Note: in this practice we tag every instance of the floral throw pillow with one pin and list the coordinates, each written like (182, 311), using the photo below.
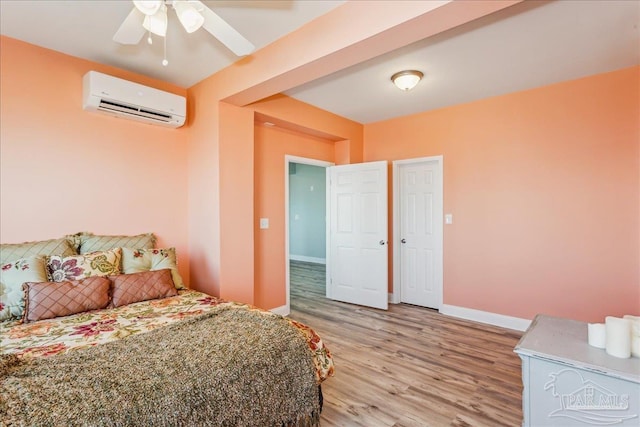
(76, 267)
(139, 260)
(12, 276)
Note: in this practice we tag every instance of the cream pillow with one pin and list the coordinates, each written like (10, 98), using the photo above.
(140, 260)
(12, 276)
(10, 252)
(93, 243)
(76, 267)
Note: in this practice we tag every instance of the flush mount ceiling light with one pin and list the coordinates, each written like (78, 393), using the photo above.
(406, 80)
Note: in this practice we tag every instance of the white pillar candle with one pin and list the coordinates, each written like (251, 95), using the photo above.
(618, 339)
(635, 334)
(597, 335)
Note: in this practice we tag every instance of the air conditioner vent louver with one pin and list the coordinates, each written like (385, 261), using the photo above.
(121, 98)
(130, 109)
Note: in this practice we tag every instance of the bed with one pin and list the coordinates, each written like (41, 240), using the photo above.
(183, 359)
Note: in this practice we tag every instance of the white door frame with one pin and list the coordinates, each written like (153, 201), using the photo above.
(396, 297)
(304, 161)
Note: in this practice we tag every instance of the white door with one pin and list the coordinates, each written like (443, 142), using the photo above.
(420, 234)
(357, 234)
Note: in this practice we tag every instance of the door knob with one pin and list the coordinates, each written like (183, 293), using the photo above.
(403, 241)
(382, 242)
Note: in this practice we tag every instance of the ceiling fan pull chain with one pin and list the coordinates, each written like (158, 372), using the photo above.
(164, 61)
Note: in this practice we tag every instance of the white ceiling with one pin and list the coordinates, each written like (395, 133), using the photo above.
(85, 28)
(528, 45)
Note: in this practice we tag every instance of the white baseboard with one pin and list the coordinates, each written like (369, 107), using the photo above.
(307, 259)
(282, 310)
(495, 319)
(393, 299)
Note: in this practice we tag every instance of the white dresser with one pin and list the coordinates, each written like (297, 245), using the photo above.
(569, 383)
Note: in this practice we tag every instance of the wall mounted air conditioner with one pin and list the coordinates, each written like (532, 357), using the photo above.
(122, 98)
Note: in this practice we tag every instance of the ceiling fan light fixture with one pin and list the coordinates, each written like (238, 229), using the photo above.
(148, 7)
(189, 17)
(157, 23)
(406, 80)
(151, 16)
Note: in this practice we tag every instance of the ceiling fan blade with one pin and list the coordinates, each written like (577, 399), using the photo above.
(131, 30)
(224, 32)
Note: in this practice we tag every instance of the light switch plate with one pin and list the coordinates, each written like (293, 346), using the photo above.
(264, 223)
(448, 219)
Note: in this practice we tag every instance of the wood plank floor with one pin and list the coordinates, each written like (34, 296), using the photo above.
(408, 366)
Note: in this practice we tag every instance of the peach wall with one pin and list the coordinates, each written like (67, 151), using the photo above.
(204, 188)
(236, 147)
(64, 170)
(252, 186)
(225, 210)
(304, 118)
(315, 50)
(330, 43)
(271, 146)
(544, 189)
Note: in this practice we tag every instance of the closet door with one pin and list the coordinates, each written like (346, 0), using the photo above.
(419, 240)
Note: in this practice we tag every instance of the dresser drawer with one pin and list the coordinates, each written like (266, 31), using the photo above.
(556, 394)
(569, 383)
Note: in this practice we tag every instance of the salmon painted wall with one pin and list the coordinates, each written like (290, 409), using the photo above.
(230, 198)
(305, 131)
(271, 146)
(204, 187)
(544, 188)
(236, 147)
(323, 46)
(64, 170)
(304, 118)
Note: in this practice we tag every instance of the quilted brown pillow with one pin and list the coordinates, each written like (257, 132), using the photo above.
(45, 300)
(136, 287)
(93, 243)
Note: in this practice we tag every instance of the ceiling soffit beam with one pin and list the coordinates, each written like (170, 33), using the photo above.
(337, 40)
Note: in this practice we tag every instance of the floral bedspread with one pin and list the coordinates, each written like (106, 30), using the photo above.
(70, 333)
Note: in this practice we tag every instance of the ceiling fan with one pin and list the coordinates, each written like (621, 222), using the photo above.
(151, 16)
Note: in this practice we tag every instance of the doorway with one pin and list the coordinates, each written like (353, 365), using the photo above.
(305, 222)
(418, 231)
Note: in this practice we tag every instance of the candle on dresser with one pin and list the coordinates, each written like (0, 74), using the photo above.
(635, 334)
(618, 337)
(597, 335)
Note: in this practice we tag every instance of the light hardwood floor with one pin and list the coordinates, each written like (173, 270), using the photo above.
(408, 366)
